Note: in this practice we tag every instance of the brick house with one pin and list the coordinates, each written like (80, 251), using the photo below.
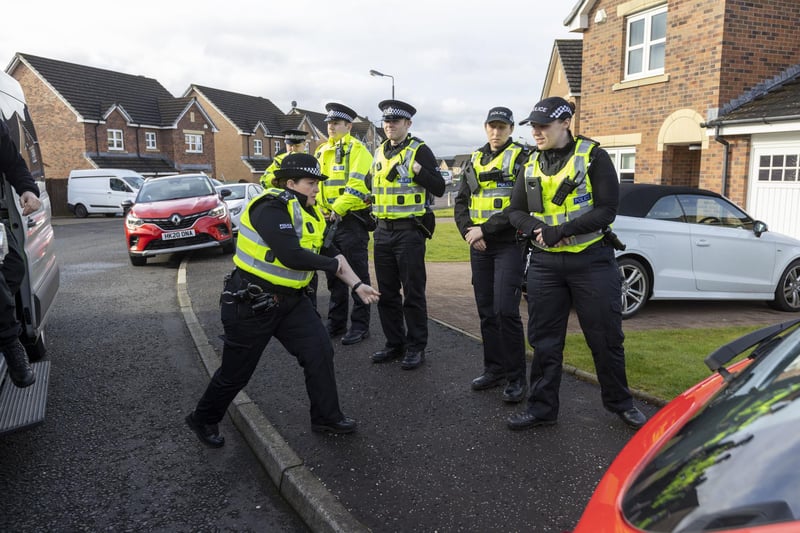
(87, 117)
(249, 133)
(682, 92)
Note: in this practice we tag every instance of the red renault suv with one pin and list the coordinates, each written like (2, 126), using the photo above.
(176, 213)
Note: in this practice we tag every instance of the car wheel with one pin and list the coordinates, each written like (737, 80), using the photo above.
(80, 211)
(635, 286)
(138, 260)
(229, 247)
(787, 293)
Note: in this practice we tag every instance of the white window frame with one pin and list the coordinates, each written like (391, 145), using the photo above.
(278, 146)
(150, 140)
(646, 45)
(258, 147)
(194, 143)
(616, 155)
(116, 140)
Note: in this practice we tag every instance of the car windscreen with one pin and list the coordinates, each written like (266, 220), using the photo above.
(134, 181)
(159, 190)
(237, 193)
(737, 461)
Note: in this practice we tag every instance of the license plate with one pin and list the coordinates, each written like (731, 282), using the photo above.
(180, 234)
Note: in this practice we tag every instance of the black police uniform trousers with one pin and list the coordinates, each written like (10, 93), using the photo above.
(12, 273)
(590, 281)
(497, 284)
(352, 239)
(400, 264)
(297, 326)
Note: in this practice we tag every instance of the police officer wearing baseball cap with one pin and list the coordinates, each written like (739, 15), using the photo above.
(565, 196)
(264, 297)
(346, 202)
(405, 177)
(496, 257)
(295, 141)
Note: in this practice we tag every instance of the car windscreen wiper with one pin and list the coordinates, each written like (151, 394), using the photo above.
(717, 360)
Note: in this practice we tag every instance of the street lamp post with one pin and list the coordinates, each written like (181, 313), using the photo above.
(382, 75)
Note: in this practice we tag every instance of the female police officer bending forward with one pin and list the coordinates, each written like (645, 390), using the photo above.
(277, 252)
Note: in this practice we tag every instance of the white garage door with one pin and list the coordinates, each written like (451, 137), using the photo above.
(774, 188)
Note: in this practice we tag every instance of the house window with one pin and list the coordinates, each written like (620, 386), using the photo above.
(150, 140)
(779, 167)
(646, 44)
(258, 147)
(278, 146)
(194, 143)
(624, 160)
(115, 141)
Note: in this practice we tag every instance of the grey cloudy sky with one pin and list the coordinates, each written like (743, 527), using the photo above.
(451, 59)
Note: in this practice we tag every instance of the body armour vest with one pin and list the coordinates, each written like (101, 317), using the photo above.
(334, 162)
(253, 255)
(395, 194)
(493, 195)
(577, 203)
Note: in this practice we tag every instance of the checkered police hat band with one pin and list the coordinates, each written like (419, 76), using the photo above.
(560, 110)
(310, 170)
(397, 112)
(335, 115)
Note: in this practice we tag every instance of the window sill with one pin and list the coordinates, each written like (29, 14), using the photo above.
(640, 82)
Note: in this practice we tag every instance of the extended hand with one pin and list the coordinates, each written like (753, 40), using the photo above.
(367, 294)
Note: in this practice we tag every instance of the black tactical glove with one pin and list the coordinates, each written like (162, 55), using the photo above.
(552, 234)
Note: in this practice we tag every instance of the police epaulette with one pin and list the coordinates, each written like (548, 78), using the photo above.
(588, 139)
(285, 196)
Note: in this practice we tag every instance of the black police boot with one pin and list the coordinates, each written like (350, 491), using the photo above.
(207, 433)
(18, 366)
(515, 390)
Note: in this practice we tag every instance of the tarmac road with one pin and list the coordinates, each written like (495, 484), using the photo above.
(430, 454)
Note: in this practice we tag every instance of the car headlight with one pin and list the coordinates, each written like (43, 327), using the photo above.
(218, 211)
(132, 221)
(236, 210)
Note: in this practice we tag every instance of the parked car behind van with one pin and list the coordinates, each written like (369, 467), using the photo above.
(101, 190)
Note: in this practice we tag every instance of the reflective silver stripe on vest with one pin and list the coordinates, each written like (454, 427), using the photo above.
(388, 209)
(507, 160)
(271, 268)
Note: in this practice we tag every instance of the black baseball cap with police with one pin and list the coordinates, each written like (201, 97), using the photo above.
(294, 136)
(394, 109)
(339, 112)
(296, 166)
(548, 110)
(500, 114)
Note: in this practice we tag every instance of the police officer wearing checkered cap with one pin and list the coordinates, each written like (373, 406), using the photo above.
(347, 204)
(264, 297)
(496, 256)
(565, 195)
(295, 142)
(405, 178)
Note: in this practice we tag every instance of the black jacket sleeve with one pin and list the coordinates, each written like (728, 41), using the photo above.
(517, 211)
(13, 166)
(272, 222)
(429, 176)
(461, 208)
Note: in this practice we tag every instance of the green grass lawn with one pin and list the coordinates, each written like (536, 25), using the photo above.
(663, 363)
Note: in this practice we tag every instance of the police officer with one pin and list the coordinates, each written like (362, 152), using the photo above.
(346, 202)
(404, 176)
(294, 140)
(12, 268)
(277, 252)
(567, 195)
(496, 256)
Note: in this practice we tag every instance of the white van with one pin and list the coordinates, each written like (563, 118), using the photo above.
(101, 190)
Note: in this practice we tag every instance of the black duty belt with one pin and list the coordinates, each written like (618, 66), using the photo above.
(399, 224)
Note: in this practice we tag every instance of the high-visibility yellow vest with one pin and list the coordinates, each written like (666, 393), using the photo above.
(253, 255)
(493, 196)
(346, 162)
(402, 197)
(577, 203)
(269, 173)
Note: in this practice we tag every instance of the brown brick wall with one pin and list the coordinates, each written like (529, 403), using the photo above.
(60, 135)
(193, 121)
(228, 147)
(759, 40)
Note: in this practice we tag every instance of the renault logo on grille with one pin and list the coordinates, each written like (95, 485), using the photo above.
(175, 219)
